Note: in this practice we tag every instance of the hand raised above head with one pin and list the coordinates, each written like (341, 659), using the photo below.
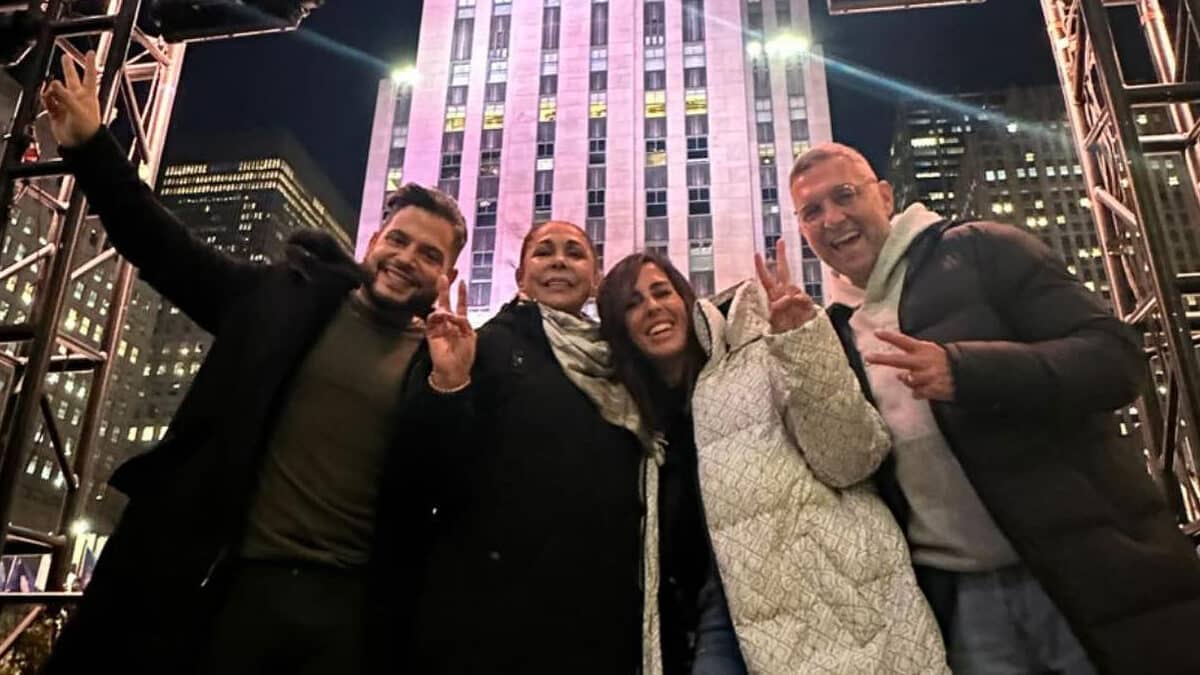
(790, 306)
(73, 103)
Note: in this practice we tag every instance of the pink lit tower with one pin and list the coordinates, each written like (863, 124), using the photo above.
(656, 125)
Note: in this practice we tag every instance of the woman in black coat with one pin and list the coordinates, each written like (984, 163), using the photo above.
(537, 556)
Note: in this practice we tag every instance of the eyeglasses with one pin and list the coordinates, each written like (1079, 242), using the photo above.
(843, 196)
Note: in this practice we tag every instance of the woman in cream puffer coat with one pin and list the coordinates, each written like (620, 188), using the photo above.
(815, 568)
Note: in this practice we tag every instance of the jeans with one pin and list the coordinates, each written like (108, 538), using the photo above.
(1005, 624)
(717, 651)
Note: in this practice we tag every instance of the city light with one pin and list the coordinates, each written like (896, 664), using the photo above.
(80, 527)
(787, 45)
(405, 77)
(754, 49)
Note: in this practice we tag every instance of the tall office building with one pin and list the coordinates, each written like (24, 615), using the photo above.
(667, 126)
(1009, 156)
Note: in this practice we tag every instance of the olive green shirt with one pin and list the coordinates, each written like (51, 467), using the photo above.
(320, 477)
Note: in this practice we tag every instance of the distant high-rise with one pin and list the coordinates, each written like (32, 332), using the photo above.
(1009, 156)
(667, 126)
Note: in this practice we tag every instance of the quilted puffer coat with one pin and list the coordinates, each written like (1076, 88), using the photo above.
(816, 569)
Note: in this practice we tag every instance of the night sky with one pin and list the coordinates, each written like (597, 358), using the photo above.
(321, 83)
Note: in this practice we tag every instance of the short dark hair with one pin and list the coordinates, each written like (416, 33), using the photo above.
(632, 368)
(529, 236)
(823, 152)
(433, 201)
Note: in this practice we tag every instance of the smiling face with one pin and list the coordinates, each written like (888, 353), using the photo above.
(558, 267)
(405, 259)
(844, 213)
(657, 319)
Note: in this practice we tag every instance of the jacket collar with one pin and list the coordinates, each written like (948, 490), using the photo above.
(745, 320)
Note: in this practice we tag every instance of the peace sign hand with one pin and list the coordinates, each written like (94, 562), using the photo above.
(73, 103)
(791, 307)
(451, 339)
(924, 366)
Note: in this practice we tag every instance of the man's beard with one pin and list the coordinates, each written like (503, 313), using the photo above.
(419, 303)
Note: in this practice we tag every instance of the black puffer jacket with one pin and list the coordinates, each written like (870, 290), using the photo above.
(1039, 365)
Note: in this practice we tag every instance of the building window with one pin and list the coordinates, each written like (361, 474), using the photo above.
(655, 23)
(656, 104)
(656, 135)
(456, 96)
(770, 187)
(697, 136)
(656, 204)
(695, 78)
(693, 20)
(547, 109)
(702, 283)
(543, 189)
(460, 45)
(545, 139)
(655, 80)
(657, 232)
(598, 80)
(596, 231)
(783, 14)
(548, 85)
(498, 41)
(599, 23)
(597, 145)
(550, 20)
(479, 293)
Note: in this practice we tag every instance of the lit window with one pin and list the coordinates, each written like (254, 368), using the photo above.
(656, 104)
(696, 102)
(1029, 157)
(990, 176)
(456, 118)
(547, 109)
(493, 116)
(599, 107)
(924, 142)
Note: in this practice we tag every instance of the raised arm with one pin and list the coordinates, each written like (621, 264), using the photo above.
(198, 279)
(839, 432)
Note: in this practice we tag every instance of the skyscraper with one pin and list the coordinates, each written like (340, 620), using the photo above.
(1009, 156)
(667, 126)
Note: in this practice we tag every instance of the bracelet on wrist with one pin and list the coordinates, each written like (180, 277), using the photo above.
(453, 390)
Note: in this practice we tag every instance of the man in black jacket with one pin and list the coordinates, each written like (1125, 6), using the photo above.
(1041, 546)
(252, 540)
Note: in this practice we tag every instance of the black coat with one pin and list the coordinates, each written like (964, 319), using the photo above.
(1038, 366)
(535, 563)
(157, 583)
